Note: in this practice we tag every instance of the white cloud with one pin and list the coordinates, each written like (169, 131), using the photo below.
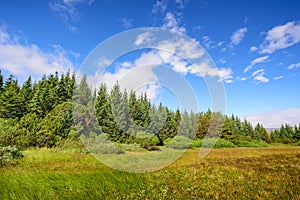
(221, 43)
(276, 118)
(126, 23)
(68, 10)
(150, 58)
(159, 7)
(278, 77)
(261, 79)
(293, 66)
(248, 68)
(223, 61)
(281, 37)
(172, 23)
(238, 36)
(256, 61)
(258, 72)
(197, 28)
(241, 78)
(225, 75)
(23, 60)
(259, 76)
(143, 38)
(259, 60)
(253, 49)
(127, 78)
(182, 3)
(207, 41)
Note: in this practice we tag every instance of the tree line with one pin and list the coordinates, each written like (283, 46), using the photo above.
(54, 109)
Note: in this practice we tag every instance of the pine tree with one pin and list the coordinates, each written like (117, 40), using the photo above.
(10, 100)
(158, 118)
(262, 133)
(228, 132)
(120, 113)
(1, 81)
(185, 126)
(26, 94)
(83, 94)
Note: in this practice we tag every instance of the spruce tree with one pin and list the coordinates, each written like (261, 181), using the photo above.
(10, 100)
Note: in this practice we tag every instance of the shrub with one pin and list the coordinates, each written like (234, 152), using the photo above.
(221, 143)
(146, 140)
(180, 142)
(105, 148)
(253, 143)
(99, 144)
(9, 155)
(197, 143)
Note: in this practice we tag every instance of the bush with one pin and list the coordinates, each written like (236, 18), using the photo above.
(99, 144)
(103, 148)
(197, 143)
(253, 143)
(9, 155)
(146, 140)
(180, 142)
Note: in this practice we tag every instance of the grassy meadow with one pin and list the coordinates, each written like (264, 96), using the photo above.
(238, 173)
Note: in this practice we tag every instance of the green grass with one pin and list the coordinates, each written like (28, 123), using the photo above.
(238, 173)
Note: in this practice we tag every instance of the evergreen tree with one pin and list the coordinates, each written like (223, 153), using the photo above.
(185, 126)
(1, 81)
(158, 118)
(83, 94)
(26, 94)
(228, 131)
(120, 113)
(10, 100)
(262, 133)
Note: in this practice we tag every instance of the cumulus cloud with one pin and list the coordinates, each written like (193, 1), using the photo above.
(29, 59)
(276, 118)
(281, 37)
(68, 10)
(238, 36)
(293, 66)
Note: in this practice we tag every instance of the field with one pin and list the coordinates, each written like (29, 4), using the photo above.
(239, 173)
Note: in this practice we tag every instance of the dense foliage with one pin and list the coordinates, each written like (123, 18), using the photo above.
(9, 155)
(55, 109)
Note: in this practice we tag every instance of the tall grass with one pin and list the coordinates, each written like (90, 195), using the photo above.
(264, 173)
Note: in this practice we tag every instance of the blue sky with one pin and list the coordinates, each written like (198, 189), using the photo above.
(254, 44)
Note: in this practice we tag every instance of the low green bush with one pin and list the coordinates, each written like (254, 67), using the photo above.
(100, 144)
(253, 143)
(197, 143)
(9, 155)
(212, 143)
(180, 142)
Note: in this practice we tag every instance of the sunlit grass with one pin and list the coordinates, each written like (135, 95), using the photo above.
(239, 173)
